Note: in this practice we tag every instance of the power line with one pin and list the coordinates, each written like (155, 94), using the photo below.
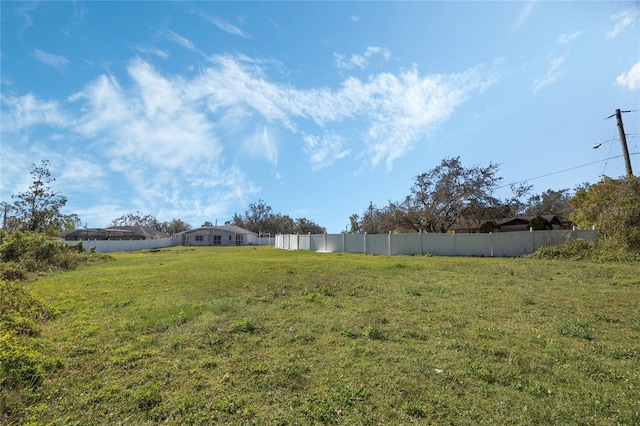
(562, 171)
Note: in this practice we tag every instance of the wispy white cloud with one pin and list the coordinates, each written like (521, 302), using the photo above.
(568, 38)
(27, 111)
(630, 80)
(524, 15)
(227, 27)
(324, 151)
(174, 138)
(621, 21)
(555, 71)
(57, 61)
(155, 52)
(361, 61)
(262, 145)
(182, 41)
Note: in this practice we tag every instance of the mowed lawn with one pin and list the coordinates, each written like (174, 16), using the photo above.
(255, 335)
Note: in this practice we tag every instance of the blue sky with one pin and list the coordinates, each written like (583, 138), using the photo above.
(193, 110)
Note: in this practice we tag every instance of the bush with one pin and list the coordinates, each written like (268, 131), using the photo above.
(613, 206)
(539, 223)
(29, 252)
(579, 249)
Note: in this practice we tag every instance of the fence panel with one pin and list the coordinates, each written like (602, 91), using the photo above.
(106, 246)
(354, 243)
(502, 244)
(406, 244)
(439, 244)
(473, 244)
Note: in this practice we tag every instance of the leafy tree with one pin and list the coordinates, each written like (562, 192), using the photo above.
(613, 206)
(175, 226)
(261, 219)
(354, 223)
(550, 202)
(306, 226)
(207, 223)
(439, 197)
(71, 222)
(137, 219)
(38, 209)
(280, 224)
(488, 227)
(539, 223)
(257, 218)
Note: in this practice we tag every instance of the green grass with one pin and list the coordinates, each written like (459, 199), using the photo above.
(247, 335)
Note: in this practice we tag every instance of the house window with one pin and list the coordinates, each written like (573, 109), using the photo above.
(217, 240)
(199, 237)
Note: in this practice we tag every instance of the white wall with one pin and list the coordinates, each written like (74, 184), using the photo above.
(105, 246)
(502, 244)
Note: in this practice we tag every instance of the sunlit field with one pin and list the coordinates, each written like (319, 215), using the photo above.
(254, 335)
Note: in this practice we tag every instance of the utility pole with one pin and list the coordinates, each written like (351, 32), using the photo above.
(623, 141)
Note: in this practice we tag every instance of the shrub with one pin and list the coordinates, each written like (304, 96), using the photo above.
(35, 252)
(539, 223)
(613, 206)
(579, 249)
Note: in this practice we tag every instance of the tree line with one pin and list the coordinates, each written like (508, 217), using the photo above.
(439, 200)
(452, 195)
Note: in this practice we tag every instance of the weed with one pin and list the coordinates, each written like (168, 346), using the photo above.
(258, 368)
(578, 329)
(606, 318)
(413, 409)
(230, 404)
(147, 397)
(374, 333)
(245, 326)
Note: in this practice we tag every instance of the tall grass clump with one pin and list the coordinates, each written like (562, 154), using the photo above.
(22, 364)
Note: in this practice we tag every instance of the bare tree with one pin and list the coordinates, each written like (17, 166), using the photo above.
(137, 219)
(448, 192)
(38, 209)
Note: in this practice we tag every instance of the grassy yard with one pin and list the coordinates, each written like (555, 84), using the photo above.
(253, 335)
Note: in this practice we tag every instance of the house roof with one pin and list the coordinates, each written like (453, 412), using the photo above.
(228, 228)
(142, 230)
(92, 233)
(466, 223)
(526, 219)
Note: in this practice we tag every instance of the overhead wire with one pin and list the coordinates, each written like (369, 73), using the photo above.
(564, 170)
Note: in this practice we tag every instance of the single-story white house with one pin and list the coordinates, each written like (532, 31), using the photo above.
(218, 236)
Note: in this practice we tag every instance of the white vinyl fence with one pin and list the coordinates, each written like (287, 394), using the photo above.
(105, 246)
(501, 244)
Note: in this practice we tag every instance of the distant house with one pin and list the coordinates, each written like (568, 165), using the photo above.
(522, 223)
(115, 233)
(518, 223)
(218, 236)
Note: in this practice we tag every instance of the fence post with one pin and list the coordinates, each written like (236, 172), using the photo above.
(455, 246)
(344, 242)
(365, 242)
(421, 245)
(491, 242)
(389, 243)
(325, 241)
